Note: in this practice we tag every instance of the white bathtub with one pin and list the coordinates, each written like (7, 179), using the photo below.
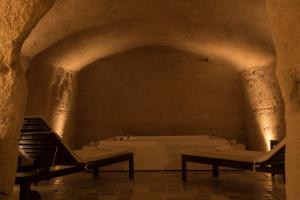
(163, 152)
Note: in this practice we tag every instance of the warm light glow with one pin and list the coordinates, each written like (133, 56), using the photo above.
(81, 49)
(73, 55)
(85, 47)
(263, 104)
(58, 181)
(64, 91)
(59, 121)
(267, 123)
(239, 54)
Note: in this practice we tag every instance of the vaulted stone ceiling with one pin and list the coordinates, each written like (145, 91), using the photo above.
(75, 33)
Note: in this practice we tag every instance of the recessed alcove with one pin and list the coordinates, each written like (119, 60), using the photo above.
(155, 90)
(158, 90)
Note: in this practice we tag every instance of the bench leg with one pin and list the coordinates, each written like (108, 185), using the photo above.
(131, 166)
(24, 190)
(95, 171)
(26, 193)
(215, 170)
(183, 167)
(33, 195)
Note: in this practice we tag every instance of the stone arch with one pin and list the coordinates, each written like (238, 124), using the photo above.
(82, 48)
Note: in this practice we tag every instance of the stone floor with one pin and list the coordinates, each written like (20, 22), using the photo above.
(163, 186)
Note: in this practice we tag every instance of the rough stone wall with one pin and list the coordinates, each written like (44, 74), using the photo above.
(159, 90)
(265, 110)
(17, 18)
(52, 95)
(284, 18)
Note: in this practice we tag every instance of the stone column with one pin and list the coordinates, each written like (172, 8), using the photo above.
(17, 19)
(284, 18)
(265, 113)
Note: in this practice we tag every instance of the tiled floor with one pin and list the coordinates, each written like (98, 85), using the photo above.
(163, 186)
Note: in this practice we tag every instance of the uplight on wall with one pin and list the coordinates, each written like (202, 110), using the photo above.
(63, 94)
(267, 127)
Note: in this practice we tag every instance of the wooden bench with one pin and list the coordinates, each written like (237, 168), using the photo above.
(270, 162)
(53, 158)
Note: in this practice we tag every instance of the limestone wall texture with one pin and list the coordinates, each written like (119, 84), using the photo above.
(17, 18)
(52, 95)
(265, 107)
(284, 18)
(85, 92)
(158, 90)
